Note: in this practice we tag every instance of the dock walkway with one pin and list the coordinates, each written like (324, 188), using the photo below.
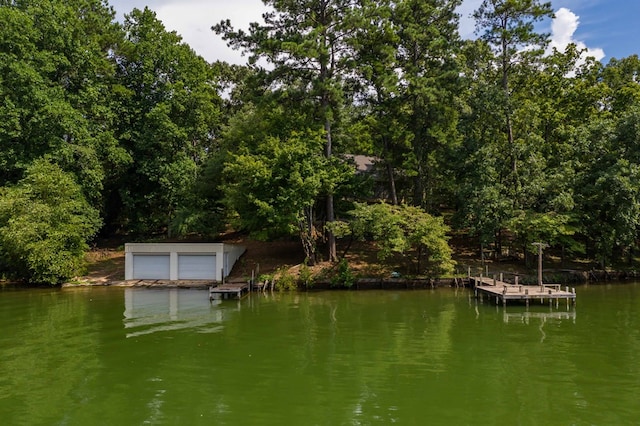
(228, 291)
(503, 292)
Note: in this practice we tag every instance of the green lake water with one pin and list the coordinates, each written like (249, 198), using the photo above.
(113, 356)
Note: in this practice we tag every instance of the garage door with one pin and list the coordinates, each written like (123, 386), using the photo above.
(151, 266)
(197, 267)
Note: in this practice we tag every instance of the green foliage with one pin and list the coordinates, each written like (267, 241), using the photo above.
(307, 45)
(272, 176)
(170, 109)
(508, 28)
(265, 278)
(284, 280)
(516, 142)
(403, 229)
(344, 276)
(271, 187)
(609, 195)
(409, 67)
(56, 90)
(306, 276)
(45, 223)
(550, 228)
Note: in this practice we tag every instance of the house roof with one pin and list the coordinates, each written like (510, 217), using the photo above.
(364, 163)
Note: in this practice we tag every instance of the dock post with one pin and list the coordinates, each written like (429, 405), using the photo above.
(516, 280)
(540, 247)
(494, 280)
(501, 277)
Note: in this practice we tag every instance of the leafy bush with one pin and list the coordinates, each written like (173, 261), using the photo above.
(45, 223)
(402, 230)
(344, 276)
(284, 280)
(306, 276)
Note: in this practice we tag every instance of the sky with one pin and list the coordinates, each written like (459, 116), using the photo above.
(608, 28)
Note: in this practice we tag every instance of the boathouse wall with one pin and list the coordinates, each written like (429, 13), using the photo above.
(180, 261)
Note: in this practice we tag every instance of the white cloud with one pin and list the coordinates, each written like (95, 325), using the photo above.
(563, 29)
(193, 20)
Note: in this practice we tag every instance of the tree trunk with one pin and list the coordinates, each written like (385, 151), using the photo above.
(331, 239)
(392, 184)
(507, 112)
(392, 180)
(307, 236)
(325, 107)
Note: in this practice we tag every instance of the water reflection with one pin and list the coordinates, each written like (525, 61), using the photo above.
(524, 317)
(154, 310)
(540, 318)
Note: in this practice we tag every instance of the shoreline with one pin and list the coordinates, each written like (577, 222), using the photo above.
(557, 277)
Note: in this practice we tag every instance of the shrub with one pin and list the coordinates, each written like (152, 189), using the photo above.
(284, 280)
(344, 276)
(45, 223)
(404, 229)
(306, 276)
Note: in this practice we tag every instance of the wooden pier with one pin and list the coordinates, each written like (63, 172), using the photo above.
(228, 291)
(503, 292)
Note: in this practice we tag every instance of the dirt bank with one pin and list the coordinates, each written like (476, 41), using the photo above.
(106, 267)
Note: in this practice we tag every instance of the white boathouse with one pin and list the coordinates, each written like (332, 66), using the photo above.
(180, 261)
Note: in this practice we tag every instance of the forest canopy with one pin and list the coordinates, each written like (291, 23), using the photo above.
(496, 138)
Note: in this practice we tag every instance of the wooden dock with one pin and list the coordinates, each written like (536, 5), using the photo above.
(228, 291)
(503, 292)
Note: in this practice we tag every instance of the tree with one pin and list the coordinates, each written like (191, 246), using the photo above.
(482, 193)
(504, 126)
(45, 223)
(607, 191)
(404, 230)
(429, 88)
(554, 229)
(170, 118)
(620, 77)
(273, 187)
(409, 73)
(508, 27)
(307, 45)
(57, 79)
